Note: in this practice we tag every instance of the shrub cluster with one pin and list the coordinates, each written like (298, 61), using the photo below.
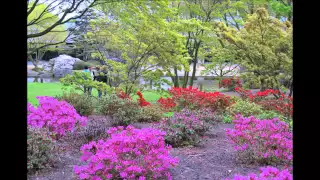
(142, 102)
(167, 104)
(58, 116)
(185, 127)
(84, 104)
(123, 110)
(266, 141)
(151, 113)
(278, 101)
(245, 108)
(266, 173)
(40, 148)
(192, 98)
(128, 154)
(230, 83)
(273, 114)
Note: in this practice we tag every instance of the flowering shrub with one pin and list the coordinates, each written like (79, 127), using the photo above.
(265, 174)
(39, 147)
(263, 140)
(284, 106)
(166, 103)
(279, 102)
(185, 128)
(272, 114)
(93, 131)
(123, 111)
(122, 94)
(245, 108)
(58, 116)
(142, 102)
(128, 154)
(230, 83)
(192, 98)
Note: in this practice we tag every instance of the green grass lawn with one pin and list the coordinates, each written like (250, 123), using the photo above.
(54, 89)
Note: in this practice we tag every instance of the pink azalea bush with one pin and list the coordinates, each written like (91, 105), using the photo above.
(58, 116)
(264, 140)
(128, 154)
(267, 173)
(186, 127)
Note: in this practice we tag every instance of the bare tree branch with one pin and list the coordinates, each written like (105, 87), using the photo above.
(49, 44)
(45, 11)
(33, 6)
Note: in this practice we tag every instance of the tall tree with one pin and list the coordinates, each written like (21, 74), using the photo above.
(198, 16)
(140, 31)
(264, 47)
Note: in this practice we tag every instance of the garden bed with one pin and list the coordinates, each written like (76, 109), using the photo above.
(215, 160)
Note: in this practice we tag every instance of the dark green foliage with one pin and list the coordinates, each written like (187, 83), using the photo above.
(123, 111)
(83, 104)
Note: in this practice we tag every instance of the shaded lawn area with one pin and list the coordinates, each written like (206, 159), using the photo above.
(54, 89)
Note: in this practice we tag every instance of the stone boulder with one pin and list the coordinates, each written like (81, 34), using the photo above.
(61, 65)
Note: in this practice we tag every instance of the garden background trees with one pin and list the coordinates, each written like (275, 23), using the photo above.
(148, 46)
(37, 46)
(264, 47)
(172, 35)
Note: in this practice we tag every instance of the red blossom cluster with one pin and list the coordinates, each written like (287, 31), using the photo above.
(194, 99)
(279, 102)
(122, 95)
(166, 103)
(230, 83)
(142, 102)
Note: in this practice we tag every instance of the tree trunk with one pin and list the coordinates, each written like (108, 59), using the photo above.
(185, 79)
(176, 77)
(291, 89)
(262, 85)
(195, 60)
(85, 51)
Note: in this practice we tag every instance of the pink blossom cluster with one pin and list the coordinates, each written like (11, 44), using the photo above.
(58, 116)
(267, 173)
(266, 139)
(129, 154)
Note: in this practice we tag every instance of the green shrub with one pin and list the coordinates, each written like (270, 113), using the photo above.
(93, 62)
(40, 148)
(273, 114)
(83, 104)
(152, 113)
(245, 108)
(79, 65)
(168, 114)
(37, 69)
(123, 111)
(227, 119)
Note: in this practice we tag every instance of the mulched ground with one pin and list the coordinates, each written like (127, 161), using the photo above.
(215, 160)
